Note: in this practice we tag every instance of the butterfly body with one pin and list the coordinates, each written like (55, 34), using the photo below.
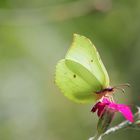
(104, 92)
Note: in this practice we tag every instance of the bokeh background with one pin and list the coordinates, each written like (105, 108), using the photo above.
(34, 35)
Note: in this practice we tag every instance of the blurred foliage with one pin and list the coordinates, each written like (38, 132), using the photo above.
(34, 35)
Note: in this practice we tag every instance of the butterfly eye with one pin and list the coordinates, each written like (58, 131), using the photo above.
(74, 76)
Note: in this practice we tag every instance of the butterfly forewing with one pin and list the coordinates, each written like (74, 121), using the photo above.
(83, 52)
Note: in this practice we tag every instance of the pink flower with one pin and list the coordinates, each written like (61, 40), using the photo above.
(123, 109)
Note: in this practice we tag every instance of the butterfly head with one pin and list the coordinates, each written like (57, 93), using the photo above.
(110, 90)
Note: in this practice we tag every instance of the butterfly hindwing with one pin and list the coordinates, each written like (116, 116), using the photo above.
(73, 85)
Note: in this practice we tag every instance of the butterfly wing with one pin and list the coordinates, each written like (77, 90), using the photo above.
(82, 72)
(75, 85)
(83, 52)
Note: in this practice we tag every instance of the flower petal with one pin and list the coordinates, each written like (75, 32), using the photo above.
(126, 112)
(99, 107)
(123, 109)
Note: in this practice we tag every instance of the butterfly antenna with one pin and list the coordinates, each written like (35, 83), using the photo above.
(122, 85)
(119, 88)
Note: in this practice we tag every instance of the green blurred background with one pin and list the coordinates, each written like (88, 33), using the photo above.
(34, 36)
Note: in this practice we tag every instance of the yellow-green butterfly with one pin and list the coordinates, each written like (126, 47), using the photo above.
(81, 75)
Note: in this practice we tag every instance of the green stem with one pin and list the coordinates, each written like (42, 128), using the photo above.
(96, 137)
(123, 125)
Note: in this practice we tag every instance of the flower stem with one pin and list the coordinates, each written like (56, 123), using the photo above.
(96, 137)
(122, 125)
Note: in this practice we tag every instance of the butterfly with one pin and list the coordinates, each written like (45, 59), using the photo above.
(81, 75)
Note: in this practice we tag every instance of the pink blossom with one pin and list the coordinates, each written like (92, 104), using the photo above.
(123, 109)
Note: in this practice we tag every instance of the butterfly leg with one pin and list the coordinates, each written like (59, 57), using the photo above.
(109, 97)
